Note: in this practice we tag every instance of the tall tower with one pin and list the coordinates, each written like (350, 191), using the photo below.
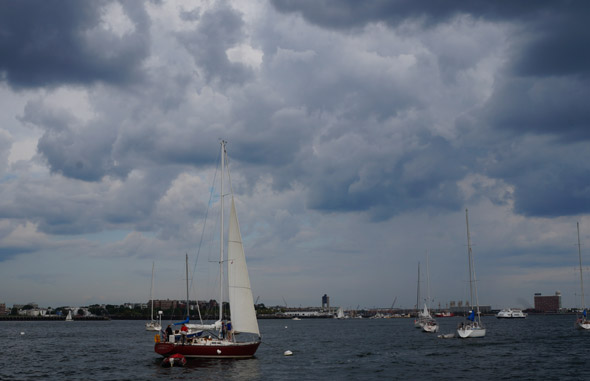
(326, 301)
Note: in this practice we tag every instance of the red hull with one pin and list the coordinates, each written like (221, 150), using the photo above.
(235, 350)
(444, 314)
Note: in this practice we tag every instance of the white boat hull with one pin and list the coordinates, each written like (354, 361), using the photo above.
(511, 314)
(430, 328)
(465, 333)
(153, 326)
(583, 324)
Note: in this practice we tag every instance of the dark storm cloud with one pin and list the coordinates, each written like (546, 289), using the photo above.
(423, 177)
(541, 91)
(550, 179)
(556, 106)
(218, 30)
(58, 42)
(135, 203)
(555, 43)
(350, 13)
(71, 148)
(551, 37)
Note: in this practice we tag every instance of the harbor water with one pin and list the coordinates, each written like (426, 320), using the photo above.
(538, 347)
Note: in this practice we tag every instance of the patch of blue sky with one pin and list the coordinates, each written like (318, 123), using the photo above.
(108, 236)
(8, 177)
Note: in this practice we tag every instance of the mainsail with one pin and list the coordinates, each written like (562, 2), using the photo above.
(243, 315)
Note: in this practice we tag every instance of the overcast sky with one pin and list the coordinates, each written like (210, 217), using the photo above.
(358, 134)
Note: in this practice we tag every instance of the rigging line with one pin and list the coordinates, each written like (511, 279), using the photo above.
(203, 234)
(231, 188)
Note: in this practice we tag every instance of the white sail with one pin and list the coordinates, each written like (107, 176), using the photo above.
(243, 315)
(425, 312)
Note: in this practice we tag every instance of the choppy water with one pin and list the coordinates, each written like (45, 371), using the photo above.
(539, 347)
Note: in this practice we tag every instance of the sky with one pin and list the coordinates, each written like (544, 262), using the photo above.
(358, 134)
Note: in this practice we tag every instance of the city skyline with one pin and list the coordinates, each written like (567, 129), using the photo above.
(358, 134)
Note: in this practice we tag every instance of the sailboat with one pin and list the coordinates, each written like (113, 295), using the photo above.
(582, 322)
(430, 325)
(421, 316)
(240, 337)
(69, 317)
(152, 325)
(472, 327)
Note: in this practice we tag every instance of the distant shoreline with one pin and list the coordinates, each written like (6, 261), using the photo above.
(50, 318)
(263, 317)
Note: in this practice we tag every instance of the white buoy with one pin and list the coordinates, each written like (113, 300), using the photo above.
(22, 333)
(285, 326)
(288, 353)
(218, 352)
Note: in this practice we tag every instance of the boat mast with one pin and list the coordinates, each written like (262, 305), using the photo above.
(427, 281)
(186, 266)
(152, 292)
(580, 256)
(469, 256)
(221, 235)
(418, 289)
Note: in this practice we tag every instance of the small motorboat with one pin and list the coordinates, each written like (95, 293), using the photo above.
(175, 360)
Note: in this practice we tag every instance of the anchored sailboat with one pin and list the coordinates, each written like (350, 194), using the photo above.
(472, 327)
(240, 337)
(430, 324)
(582, 322)
(421, 316)
(152, 325)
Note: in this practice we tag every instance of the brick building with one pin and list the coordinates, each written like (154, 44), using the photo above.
(548, 303)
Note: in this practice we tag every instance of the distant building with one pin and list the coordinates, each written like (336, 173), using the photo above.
(548, 303)
(166, 304)
(465, 309)
(326, 301)
(3, 309)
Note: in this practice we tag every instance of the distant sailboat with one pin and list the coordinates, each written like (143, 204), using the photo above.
(421, 316)
(472, 327)
(152, 325)
(430, 325)
(69, 317)
(582, 322)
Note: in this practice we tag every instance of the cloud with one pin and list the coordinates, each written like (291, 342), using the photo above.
(357, 132)
(66, 42)
(351, 14)
(218, 30)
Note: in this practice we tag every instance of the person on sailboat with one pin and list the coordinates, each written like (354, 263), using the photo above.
(228, 330)
(183, 332)
(168, 333)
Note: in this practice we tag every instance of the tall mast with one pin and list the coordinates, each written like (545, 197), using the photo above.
(187, 305)
(580, 256)
(427, 280)
(418, 289)
(221, 235)
(152, 292)
(469, 256)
